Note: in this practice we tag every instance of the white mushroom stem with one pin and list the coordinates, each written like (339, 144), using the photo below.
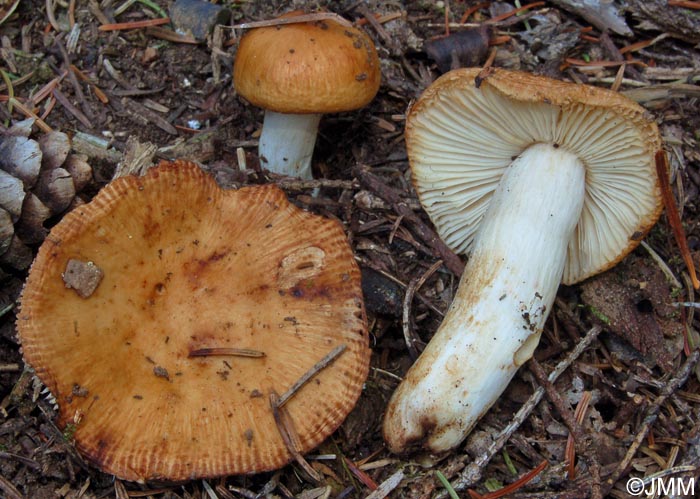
(499, 310)
(287, 143)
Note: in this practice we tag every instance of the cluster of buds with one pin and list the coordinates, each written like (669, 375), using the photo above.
(39, 179)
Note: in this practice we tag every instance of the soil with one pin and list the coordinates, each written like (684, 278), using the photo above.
(148, 94)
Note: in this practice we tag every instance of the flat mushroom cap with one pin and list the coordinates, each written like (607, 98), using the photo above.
(303, 68)
(187, 266)
(462, 135)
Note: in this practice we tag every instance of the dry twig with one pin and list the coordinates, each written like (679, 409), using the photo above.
(77, 89)
(509, 489)
(170, 35)
(580, 443)
(372, 183)
(285, 426)
(134, 24)
(553, 395)
(684, 4)
(30, 114)
(387, 486)
(51, 15)
(298, 184)
(579, 415)
(9, 489)
(306, 18)
(142, 115)
(674, 218)
(77, 113)
(233, 352)
(24, 460)
(360, 474)
(514, 12)
(318, 366)
(415, 284)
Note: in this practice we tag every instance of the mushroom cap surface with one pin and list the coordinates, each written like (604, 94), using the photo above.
(304, 68)
(187, 266)
(464, 131)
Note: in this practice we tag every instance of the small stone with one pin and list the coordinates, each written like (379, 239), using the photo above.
(197, 17)
(462, 49)
(382, 296)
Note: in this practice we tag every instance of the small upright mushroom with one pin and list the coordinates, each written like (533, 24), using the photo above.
(542, 182)
(297, 72)
(165, 314)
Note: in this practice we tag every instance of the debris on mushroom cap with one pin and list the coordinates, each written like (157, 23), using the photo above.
(465, 130)
(319, 67)
(83, 277)
(186, 266)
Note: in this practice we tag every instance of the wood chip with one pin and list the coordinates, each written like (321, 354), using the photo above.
(387, 486)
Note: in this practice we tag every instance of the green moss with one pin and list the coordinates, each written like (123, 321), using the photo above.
(69, 432)
(598, 314)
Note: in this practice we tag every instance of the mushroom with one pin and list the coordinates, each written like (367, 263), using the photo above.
(297, 72)
(542, 182)
(164, 314)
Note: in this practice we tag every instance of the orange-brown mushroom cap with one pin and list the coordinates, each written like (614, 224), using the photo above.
(318, 67)
(187, 266)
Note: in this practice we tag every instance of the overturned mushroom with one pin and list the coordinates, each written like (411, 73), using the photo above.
(542, 182)
(128, 291)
